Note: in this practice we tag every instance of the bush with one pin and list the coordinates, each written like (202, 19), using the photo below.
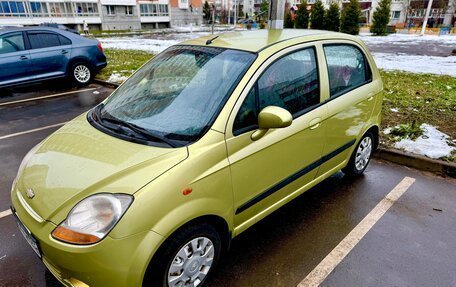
(350, 18)
(381, 18)
(302, 16)
(288, 23)
(317, 16)
(331, 21)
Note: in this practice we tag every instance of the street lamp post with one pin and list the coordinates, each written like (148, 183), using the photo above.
(426, 17)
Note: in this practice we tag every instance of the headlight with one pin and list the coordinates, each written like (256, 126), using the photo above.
(92, 218)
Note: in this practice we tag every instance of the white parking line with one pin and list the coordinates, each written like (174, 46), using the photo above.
(5, 213)
(327, 265)
(31, 131)
(45, 97)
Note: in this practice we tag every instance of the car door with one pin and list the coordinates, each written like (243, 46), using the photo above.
(15, 64)
(50, 53)
(352, 98)
(267, 171)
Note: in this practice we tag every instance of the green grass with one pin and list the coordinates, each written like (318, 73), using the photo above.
(417, 99)
(123, 62)
(409, 99)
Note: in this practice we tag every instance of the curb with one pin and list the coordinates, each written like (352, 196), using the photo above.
(417, 161)
(396, 156)
(105, 83)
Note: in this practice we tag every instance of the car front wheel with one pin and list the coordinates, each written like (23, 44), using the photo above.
(81, 74)
(186, 259)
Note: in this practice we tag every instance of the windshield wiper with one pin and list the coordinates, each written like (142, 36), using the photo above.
(137, 130)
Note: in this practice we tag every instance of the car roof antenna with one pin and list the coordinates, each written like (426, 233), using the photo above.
(208, 42)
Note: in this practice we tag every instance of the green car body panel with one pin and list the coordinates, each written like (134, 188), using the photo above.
(233, 179)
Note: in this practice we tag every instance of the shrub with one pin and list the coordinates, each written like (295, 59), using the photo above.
(350, 18)
(381, 18)
(302, 16)
(288, 23)
(317, 15)
(331, 20)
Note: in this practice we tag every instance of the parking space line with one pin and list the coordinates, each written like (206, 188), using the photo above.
(45, 97)
(5, 213)
(31, 131)
(327, 265)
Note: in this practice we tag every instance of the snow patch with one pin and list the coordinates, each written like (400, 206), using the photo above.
(433, 143)
(117, 78)
(416, 63)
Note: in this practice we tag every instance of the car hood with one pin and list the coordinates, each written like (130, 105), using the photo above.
(79, 160)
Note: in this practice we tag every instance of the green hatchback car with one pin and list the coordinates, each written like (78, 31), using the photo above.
(203, 141)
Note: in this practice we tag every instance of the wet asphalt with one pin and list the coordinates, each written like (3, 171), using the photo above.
(413, 244)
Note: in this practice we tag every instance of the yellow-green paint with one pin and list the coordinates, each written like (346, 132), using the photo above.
(223, 170)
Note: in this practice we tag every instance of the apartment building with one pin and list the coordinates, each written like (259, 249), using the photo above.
(403, 12)
(98, 14)
(186, 12)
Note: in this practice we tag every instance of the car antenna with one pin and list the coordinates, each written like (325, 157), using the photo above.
(208, 42)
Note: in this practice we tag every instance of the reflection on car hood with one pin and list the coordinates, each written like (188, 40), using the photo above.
(79, 160)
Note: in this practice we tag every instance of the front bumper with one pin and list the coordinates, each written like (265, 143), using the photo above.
(111, 262)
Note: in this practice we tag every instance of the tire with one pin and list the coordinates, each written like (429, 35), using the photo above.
(361, 156)
(81, 74)
(159, 271)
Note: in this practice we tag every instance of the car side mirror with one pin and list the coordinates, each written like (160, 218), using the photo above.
(271, 117)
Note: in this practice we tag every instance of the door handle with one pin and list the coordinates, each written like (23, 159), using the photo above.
(370, 97)
(64, 52)
(315, 123)
(23, 57)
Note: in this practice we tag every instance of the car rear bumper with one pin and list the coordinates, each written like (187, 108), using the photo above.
(111, 262)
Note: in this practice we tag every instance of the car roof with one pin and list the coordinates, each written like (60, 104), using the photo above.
(29, 28)
(257, 40)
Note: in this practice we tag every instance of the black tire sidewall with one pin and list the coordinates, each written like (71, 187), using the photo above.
(351, 169)
(158, 268)
(73, 78)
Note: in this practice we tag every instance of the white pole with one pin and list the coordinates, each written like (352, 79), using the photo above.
(235, 14)
(229, 12)
(426, 17)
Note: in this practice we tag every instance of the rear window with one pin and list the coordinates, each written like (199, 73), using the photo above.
(43, 40)
(347, 68)
(64, 40)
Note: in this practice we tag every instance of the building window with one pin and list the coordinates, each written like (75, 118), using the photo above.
(39, 9)
(153, 9)
(85, 9)
(129, 10)
(395, 14)
(111, 10)
(12, 8)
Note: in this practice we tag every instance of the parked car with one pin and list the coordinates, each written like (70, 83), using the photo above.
(61, 27)
(206, 139)
(41, 53)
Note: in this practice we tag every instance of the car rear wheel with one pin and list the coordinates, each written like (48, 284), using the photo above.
(361, 156)
(186, 259)
(81, 74)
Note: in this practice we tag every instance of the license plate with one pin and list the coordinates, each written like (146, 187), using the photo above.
(28, 236)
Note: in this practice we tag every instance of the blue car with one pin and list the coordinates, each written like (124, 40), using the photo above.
(35, 54)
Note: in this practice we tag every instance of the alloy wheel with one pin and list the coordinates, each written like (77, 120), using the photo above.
(363, 153)
(192, 263)
(81, 73)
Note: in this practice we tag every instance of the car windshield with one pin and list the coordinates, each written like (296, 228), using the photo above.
(178, 94)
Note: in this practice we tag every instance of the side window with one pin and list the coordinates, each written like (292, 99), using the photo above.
(64, 40)
(247, 117)
(347, 68)
(12, 42)
(43, 40)
(291, 83)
